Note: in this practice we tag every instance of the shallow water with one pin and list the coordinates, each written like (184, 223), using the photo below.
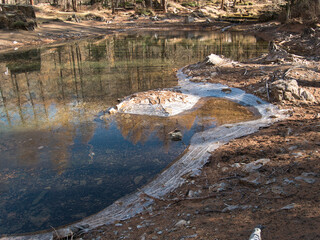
(61, 158)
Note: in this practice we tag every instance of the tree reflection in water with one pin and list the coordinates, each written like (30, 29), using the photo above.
(59, 161)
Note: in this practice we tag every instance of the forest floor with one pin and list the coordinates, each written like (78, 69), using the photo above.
(227, 201)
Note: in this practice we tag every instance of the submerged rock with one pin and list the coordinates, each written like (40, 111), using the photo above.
(176, 135)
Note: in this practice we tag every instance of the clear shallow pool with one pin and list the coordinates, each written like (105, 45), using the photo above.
(61, 160)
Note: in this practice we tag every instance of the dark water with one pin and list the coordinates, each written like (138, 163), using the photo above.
(60, 158)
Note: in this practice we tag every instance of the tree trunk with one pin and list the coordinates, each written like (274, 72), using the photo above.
(148, 4)
(3, 1)
(75, 5)
(288, 11)
(164, 5)
(222, 4)
(112, 6)
(31, 2)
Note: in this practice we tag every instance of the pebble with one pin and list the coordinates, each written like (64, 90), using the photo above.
(181, 223)
(234, 207)
(297, 154)
(256, 165)
(219, 187)
(306, 179)
(288, 207)
(118, 224)
(236, 165)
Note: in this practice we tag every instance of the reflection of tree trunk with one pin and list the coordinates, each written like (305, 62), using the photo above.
(5, 105)
(163, 49)
(30, 96)
(43, 98)
(74, 72)
(100, 81)
(61, 76)
(78, 52)
(17, 90)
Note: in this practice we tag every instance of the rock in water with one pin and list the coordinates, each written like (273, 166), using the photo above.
(214, 60)
(256, 235)
(176, 135)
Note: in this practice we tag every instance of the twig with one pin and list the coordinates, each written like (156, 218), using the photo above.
(267, 88)
(176, 200)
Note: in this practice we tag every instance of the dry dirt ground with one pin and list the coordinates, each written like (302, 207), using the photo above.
(228, 200)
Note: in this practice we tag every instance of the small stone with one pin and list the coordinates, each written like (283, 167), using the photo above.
(277, 190)
(224, 169)
(288, 207)
(218, 187)
(236, 165)
(287, 181)
(234, 207)
(143, 236)
(176, 135)
(191, 194)
(214, 59)
(293, 147)
(181, 223)
(112, 111)
(138, 179)
(118, 224)
(226, 90)
(309, 180)
(256, 165)
(253, 179)
(297, 154)
(41, 147)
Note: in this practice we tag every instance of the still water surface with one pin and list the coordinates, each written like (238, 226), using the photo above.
(60, 158)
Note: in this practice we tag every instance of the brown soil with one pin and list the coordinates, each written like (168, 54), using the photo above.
(231, 210)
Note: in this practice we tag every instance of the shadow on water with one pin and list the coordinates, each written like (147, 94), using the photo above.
(61, 158)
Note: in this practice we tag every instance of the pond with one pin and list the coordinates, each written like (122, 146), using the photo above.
(61, 158)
